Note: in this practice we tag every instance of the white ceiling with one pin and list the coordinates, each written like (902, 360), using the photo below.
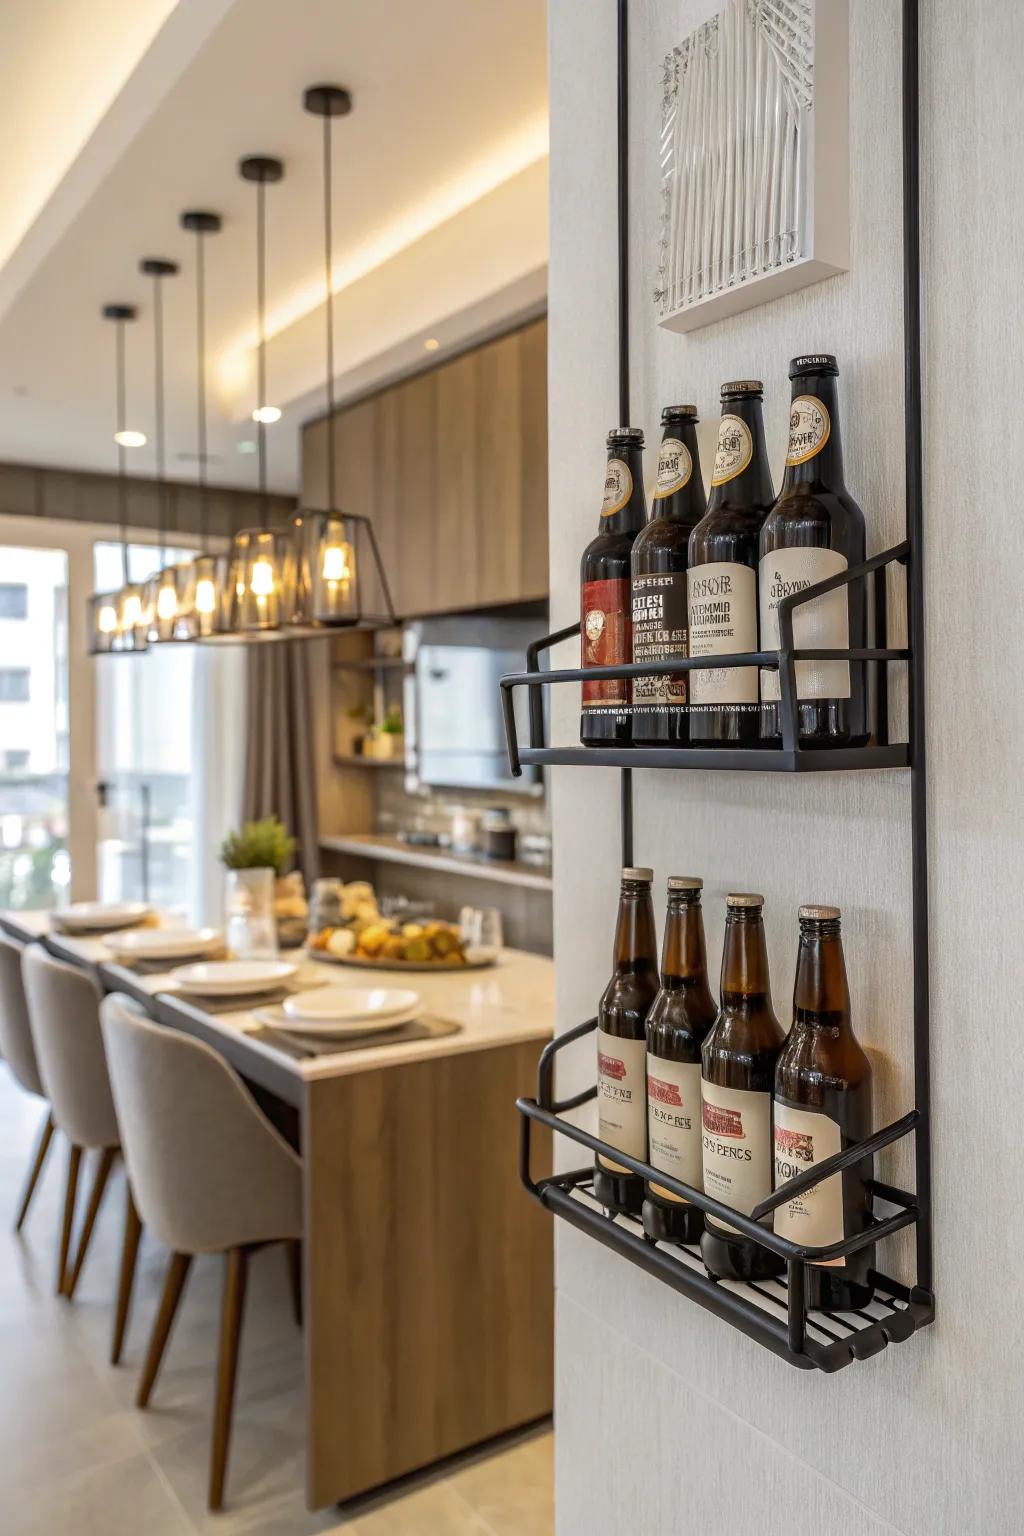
(440, 206)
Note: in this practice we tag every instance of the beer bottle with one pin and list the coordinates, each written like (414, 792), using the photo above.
(660, 558)
(677, 1025)
(622, 1043)
(815, 530)
(722, 576)
(822, 1106)
(604, 583)
(737, 1080)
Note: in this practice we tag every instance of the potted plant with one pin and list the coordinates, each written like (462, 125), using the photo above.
(390, 738)
(265, 906)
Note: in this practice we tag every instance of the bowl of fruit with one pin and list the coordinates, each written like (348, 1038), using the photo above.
(389, 945)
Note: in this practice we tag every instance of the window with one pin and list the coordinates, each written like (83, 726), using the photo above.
(13, 600)
(16, 757)
(13, 685)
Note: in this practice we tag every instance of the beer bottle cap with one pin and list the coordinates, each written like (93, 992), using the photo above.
(742, 387)
(638, 874)
(813, 362)
(744, 899)
(819, 914)
(685, 883)
(629, 437)
(679, 413)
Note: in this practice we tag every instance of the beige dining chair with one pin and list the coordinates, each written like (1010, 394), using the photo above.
(210, 1175)
(63, 1010)
(18, 1051)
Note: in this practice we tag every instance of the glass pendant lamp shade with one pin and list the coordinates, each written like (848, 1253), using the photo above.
(161, 605)
(107, 632)
(131, 631)
(262, 581)
(103, 615)
(200, 588)
(342, 581)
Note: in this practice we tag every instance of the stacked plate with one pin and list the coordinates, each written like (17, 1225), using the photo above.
(340, 1011)
(148, 944)
(232, 978)
(99, 916)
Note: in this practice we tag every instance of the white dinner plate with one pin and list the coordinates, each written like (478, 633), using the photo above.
(98, 916)
(163, 943)
(232, 978)
(345, 1005)
(340, 1029)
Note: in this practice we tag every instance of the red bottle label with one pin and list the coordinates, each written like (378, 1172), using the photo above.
(607, 635)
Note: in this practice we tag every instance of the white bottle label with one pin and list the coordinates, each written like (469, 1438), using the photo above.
(618, 487)
(675, 466)
(735, 449)
(803, 1139)
(823, 623)
(621, 1096)
(736, 1146)
(723, 621)
(809, 428)
(673, 1122)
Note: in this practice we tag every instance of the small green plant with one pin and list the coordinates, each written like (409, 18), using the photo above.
(259, 845)
(392, 722)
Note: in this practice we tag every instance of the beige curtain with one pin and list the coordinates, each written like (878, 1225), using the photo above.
(280, 775)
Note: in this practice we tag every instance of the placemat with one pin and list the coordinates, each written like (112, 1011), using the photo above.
(302, 1048)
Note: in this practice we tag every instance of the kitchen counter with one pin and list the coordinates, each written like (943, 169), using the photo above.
(393, 850)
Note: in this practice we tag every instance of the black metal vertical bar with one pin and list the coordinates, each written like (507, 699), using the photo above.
(626, 788)
(881, 640)
(627, 816)
(915, 519)
(795, 1277)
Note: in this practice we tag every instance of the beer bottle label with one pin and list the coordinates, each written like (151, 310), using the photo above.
(809, 428)
(675, 466)
(607, 638)
(673, 1122)
(823, 623)
(621, 1097)
(618, 487)
(723, 621)
(659, 634)
(736, 1147)
(735, 449)
(803, 1139)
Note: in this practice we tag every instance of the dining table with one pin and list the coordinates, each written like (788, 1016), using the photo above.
(427, 1272)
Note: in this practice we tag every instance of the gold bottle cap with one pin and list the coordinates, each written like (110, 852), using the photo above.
(638, 874)
(685, 883)
(820, 914)
(744, 899)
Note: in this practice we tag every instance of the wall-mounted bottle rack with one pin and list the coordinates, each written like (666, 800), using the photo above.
(774, 1312)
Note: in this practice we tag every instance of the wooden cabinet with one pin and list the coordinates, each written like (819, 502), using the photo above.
(451, 465)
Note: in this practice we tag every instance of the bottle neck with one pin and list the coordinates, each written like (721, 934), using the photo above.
(745, 980)
(684, 957)
(741, 477)
(821, 993)
(676, 503)
(814, 434)
(624, 505)
(636, 945)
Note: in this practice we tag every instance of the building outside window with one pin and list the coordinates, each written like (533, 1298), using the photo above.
(13, 600)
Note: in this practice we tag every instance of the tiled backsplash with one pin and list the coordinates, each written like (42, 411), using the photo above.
(396, 809)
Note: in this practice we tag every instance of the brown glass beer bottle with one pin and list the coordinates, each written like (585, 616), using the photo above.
(622, 1043)
(737, 1080)
(605, 625)
(659, 564)
(822, 1106)
(677, 1026)
(722, 575)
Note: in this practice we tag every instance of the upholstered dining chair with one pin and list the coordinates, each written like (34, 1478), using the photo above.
(63, 1010)
(210, 1175)
(18, 1051)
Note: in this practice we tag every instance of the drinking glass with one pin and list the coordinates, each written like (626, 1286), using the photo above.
(250, 927)
(481, 932)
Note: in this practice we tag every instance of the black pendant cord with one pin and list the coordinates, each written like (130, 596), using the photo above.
(122, 489)
(158, 397)
(261, 349)
(329, 306)
(626, 809)
(201, 440)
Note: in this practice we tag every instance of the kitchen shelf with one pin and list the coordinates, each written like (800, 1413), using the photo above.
(357, 760)
(372, 664)
(392, 850)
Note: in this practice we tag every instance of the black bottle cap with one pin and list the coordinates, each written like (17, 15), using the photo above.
(813, 362)
(626, 437)
(679, 413)
(742, 387)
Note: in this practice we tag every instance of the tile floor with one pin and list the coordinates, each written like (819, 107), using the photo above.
(78, 1457)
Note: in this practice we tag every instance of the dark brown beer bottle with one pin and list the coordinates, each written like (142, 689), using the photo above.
(677, 1026)
(815, 530)
(660, 560)
(622, 1043)
(722, 576)
(604, 591)
(822, 1106)
(737, 1080)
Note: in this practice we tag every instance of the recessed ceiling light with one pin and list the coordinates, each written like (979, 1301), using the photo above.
(431, 344)
(130, 439)
(266, 414)
(246, 445)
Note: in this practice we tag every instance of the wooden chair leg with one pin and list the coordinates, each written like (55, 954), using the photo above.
(236, 1263)
(70, 1192)
(177, 1273)
(293, 1253)
(99, 1185)
(129, 1256)
(42, 1147)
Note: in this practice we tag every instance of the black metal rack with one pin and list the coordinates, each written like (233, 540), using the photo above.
(773, 1312)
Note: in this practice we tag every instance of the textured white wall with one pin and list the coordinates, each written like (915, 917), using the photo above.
(668, 1420)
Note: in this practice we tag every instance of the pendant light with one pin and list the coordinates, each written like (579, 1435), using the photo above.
(339, 559)
(160, 596)
(112, 615)
(261, 595)
(200, 583)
